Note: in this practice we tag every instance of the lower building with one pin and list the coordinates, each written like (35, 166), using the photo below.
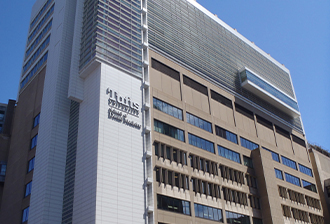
(321, 166)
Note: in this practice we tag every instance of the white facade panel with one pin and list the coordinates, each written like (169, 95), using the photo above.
(109, 168)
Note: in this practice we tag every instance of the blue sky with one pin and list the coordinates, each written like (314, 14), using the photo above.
(296, 33)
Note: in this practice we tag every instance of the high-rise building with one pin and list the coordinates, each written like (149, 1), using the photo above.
(153, 111)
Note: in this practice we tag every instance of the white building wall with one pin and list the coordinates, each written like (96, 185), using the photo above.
(110, 170)
(48, 179)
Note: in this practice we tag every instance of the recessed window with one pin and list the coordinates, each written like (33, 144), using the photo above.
(305, 170)
(248, 144)
(309, 186)
(234, 218)
(275, 156)
(31, 164)
(198, 122)
(292, 179)
(28, 188)
(229, 154)
(34, 141)
(173, 204)
(289, 163)
(278, 174)
(248, 161)
(195, 85)
(36, 120)
(206, 212)
(168, 130)
(221, 99)
(25, 215)
(165, 69)
(167, 108)
(223, 133)
(201, 143)
(257, 221)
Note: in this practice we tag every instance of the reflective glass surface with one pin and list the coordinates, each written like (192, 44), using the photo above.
(167, 108)
(309, 186)
(198, 122)
(229, 154)
(278, 174)
(289, 162)
(201, 143)
(248, 144)
(169, 130)
(292, 179)
(305, 170)
(207, 212)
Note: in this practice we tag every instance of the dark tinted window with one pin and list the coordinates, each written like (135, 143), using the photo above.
(195, 85)
(165, 69)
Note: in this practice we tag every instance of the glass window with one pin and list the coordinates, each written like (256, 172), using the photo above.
(278, 174)
(28, 188)
(173, 204)
(289, 162)
(292, 179)
(234, 218)
(34, 141)
(167, 108)
(275, 156)
(25, 215)
(309, 186)
(207, 212)
(247, 161)
(223, 133)
(248, 144)
(229, 154)
(257, 221)
(201, 143)
(169, 130)
(36, 120)
(31, 164)
(3, 168)
(305, 170)
(198, 122)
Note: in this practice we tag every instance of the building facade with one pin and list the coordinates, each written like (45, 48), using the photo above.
(153, 111)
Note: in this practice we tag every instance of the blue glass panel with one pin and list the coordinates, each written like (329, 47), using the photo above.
(201, 143)
(292, 179)
(198, 122)
(248, 144)
(270, 89)
(278, 174)
(289, 162)
(229, 154)
(305, 170)
(206, 212)
(167, 108)
(168, 130)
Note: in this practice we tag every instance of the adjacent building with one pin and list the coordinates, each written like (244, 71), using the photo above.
(153, 111)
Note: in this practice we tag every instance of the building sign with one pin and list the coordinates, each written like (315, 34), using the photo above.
(120, 107)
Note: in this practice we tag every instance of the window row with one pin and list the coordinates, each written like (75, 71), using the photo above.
(203, 164)
(235, 196)
(167, 108)
(316, 219)
(169, 130)
(232, 174)
(36, 54)
(170, 153)
(35, 20)
(229, 154)
(36, 121)
(300, 215)
(206, 212)
(34, 141)
(248, 144)
(223, 133)
(295, 180)
(202, 211)
(34, 70)
(28, 188)
(41, 23)
(201, 143)
(207, 188)
(298, 197)
(234, 218)
(173, 204)
(275, 155)
(31, 164)
(172, 178)
(38, 39)
(198, 122)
